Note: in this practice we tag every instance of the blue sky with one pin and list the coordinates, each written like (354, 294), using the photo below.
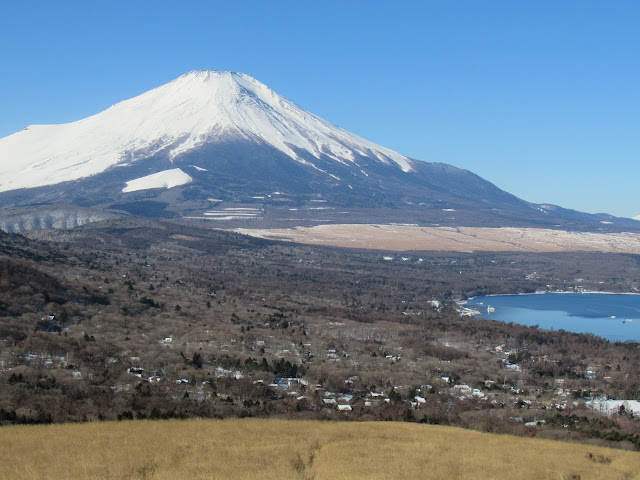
(541, 98)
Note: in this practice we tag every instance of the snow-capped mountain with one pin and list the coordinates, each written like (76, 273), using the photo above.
(198, 108)
(220, 146)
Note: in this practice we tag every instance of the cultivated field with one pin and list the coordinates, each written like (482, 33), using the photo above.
(462, 239)
(265, 449)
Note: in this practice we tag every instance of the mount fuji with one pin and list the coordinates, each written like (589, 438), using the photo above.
(223, 148)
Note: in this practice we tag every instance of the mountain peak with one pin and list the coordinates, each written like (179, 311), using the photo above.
(220, 86)
(198, 108)
(221, 146)
(206, 72)
(207, 75)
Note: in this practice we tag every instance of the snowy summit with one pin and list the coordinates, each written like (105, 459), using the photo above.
(200, 107)
(220, 135)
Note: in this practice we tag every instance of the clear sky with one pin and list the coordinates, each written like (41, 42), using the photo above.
(540, 97)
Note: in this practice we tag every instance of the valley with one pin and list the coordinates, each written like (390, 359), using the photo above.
(140, 319)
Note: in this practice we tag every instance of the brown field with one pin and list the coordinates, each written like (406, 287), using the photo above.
(266, 449)
(184, 237)
(462, 239)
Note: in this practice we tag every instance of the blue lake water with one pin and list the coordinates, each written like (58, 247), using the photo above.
(615, 317)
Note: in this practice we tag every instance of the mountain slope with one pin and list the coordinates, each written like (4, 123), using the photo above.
(222, 147)
(197, 108)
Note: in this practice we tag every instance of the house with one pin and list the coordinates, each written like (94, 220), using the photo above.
(512, 366)
(288, 382)
(462, 390)
(535, 423)
(137, 371)
(332, 354)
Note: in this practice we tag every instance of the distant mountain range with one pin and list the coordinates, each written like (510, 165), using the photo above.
(223, 149)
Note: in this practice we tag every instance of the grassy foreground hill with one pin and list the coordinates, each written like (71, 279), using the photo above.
(249, 448)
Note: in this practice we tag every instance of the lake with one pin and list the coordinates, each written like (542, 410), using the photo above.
(614, 317)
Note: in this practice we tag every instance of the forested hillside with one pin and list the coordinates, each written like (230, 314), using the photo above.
(138, 319)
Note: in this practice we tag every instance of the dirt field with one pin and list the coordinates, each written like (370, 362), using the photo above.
(463, 239)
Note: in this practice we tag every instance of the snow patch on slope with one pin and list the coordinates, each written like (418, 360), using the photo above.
(165, 179)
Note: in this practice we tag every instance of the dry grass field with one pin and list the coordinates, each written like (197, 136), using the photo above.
(462, 239)
(279, 449)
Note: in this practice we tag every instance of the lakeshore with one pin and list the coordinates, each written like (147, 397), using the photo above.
(606, 314)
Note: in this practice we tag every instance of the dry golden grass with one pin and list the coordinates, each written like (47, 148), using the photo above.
(464, 239)
(266, 449)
